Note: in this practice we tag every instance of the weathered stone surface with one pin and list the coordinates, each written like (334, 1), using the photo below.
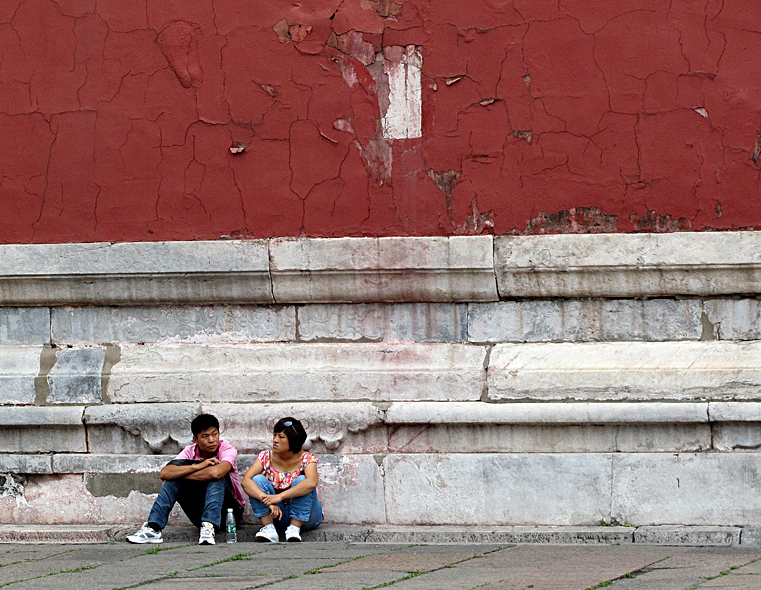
(26, 463)
(418, 322)
(76, 376)
(499, 534)
(438, 269)
(688, 535)
(734, 411)
(64, 499)
(100, 463)
(736, 425)
(41, 416)
(351, 489)
(751, 535)
(544, 413)
(161, 324)
(549, 438)
(690, 489)
(140, 428)
(497, 489)
(274, 372)
(585, 320)
(24, 325)
(19, 365)
(135, 272)
(42, 430)
(353, 427)
(621, 371)
(628, 265)
(735, 319)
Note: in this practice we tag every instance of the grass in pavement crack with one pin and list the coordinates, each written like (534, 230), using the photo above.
(155, 550)
(238, 557)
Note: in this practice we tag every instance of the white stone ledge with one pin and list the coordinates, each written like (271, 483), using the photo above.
(393, 269)
(712, 370)
(628, 265)
(297, 372)
(135, 273)
(545, 413)
(31, 416)
(436, 269)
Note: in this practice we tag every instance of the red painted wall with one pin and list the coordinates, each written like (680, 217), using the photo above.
(117, 118)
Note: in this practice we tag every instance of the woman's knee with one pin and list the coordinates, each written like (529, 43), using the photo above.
(263, 483)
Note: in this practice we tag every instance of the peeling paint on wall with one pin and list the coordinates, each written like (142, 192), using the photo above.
(232, 118)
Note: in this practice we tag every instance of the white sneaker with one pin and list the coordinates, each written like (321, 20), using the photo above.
(267, 534)
(292, 534)
(146, 534)
(207, 534)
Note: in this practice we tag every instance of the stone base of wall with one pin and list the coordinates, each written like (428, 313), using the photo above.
(440, 381)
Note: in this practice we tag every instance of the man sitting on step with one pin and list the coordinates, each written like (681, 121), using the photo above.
(204, 479)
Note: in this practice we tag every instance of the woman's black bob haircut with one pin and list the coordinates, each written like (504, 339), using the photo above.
(294, 430)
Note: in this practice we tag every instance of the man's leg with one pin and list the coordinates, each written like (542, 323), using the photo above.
(164, 503)
(212, 507)
(150, 532)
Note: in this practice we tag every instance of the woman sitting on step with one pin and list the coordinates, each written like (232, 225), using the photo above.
(282, 485)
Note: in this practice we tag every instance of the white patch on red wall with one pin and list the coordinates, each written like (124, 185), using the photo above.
(403, 116)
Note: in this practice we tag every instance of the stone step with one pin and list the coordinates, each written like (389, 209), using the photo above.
(707, 536)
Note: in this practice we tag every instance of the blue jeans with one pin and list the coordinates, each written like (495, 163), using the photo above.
(306, 508)
(202, 501)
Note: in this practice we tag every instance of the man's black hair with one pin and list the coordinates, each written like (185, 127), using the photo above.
(294, 430)
(203, 422)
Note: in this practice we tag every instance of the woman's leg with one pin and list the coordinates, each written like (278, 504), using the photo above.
(261, 510)
(306, 510)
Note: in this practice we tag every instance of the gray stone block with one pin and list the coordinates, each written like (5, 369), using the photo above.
(751, 535)
(627, 265)
(625, 371)
(42, 430)
(655, 320)
(140, 428)
(351, 427)
(24, 325)
(173, 323)
(19, 366)
(735, 319)
(701, 536)
(351, 488)
(585, 320)
(135, 273)
(516, 321)
(297, 372)
(737, 436)
(436, 269)
(497, 489)
(418, 322)
(26, 463)
(548, 438)
(100, 463)
(690, 489)
(76, 376)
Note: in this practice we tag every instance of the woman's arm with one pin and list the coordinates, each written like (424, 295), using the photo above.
(300, 489)
(247, 481)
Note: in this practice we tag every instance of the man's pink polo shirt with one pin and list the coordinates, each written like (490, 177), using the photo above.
(225, 452)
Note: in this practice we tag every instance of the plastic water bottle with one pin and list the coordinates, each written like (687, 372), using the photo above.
(232, 529)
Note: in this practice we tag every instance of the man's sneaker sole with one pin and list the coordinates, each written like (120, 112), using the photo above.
(145, 541)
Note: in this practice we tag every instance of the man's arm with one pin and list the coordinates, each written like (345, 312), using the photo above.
(207, 470)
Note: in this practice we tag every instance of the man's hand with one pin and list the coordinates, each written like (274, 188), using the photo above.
(210, 462)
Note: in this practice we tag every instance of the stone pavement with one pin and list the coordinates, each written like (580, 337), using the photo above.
(359, 566)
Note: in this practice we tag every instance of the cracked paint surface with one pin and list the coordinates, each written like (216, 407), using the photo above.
(168, 120)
